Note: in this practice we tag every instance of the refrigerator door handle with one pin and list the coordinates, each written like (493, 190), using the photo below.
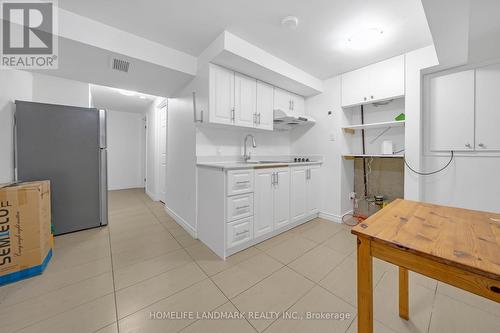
(103, 186)
(102, 129)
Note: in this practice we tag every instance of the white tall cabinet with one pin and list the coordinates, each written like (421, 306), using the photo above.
(245, 96)
(221, 95)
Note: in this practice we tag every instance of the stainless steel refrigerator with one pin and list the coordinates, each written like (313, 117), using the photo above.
(66, 145)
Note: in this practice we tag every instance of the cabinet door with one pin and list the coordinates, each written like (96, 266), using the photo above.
(245, 100)
(265, 106)
(451, 112)
(298, 193)
(487, 108)
(354, 88)
(386, 79)
(298, 104)
(239, 232)
(313, 188)
(221, 95)
(263, 202)
(282, 198)
(282, 100)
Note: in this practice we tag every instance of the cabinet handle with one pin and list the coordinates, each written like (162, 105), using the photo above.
(233, 114)
(290, 105)
(243, 182)
(482, 145)
(293, 105)
(255, 118)
(365, 98)
(468, 145)
(259, 117)
(241, 232)
(277, 178)
(371, 96)
(241, 207)
(272, 179)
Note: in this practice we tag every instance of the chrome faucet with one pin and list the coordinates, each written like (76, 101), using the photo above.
(246, 156)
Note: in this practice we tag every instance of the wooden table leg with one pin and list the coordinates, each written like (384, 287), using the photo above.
(403, 293)
(365, 286)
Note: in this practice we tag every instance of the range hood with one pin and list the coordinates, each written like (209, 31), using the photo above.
(285, 121)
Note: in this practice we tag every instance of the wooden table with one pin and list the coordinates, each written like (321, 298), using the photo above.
(457, 246)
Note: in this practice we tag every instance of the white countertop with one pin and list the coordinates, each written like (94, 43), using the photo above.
(252, 165)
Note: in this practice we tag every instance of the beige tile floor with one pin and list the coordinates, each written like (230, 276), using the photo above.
(116, 278)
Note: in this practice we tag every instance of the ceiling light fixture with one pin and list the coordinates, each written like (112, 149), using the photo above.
(290, 22)
(365, 39)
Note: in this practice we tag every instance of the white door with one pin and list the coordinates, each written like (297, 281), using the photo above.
(282, 100)
(245, 95)
(265, 106)
(298, 193)
(221, 95)
(451, 112)
(313, 188)
(263, 202)
(487, 108)
(298, 104)
(281, 197)
(163, 152)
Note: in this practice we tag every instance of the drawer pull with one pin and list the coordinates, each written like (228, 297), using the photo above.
(243, 182)
(242, 232)
(241, 207)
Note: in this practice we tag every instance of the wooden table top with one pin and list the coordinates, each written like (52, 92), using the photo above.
(463, 238)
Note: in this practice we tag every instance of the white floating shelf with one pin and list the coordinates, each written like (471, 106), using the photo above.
(353, 156)
(394, 123)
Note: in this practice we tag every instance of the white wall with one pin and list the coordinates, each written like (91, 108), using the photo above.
(336, 173)
(126, 145)
(55, 90)
(13, 85)
(228, 142)
(181, 160)
(34, 87)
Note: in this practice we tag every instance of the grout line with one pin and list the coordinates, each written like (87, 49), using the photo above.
(113, 278)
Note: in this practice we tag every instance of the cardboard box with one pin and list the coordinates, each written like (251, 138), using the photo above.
(25, 230)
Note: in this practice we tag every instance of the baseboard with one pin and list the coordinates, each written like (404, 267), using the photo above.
(151, 195)
(125, 187)
(189, 229)
(332, 217)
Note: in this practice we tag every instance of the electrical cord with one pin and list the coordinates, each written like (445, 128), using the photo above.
(433, 172)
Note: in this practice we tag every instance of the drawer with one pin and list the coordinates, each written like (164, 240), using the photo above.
(239, 232)
(239, 182)
(239, 206)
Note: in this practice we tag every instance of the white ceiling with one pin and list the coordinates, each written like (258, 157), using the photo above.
(111, 99)
(315, 46)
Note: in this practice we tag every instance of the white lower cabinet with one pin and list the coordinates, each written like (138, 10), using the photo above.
(239, 232)
(272, 204)
(304, 191)
(238, 208)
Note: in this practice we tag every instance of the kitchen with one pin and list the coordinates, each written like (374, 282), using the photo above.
(248, 176)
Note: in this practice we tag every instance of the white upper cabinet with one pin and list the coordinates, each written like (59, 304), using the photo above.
(245, 97)
(451, 111)
(240, 100)
(487, 108)
(221, 91)
(377, 82)
(289, 102)
(265, 106)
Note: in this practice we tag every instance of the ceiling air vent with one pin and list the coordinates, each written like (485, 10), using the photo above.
(120, 65)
